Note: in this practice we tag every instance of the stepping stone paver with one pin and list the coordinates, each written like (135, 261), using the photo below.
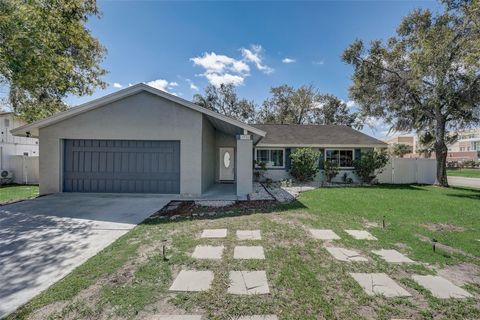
(259, 317)
(248, 282)
(324, 234)
(441, 287)
(392, 256)
(248, 252)
(361, 234)
(208, 252)
(379, 283)
(178, 317)
(249, 235)
(214, 233)
(192, 280)
(343, 254)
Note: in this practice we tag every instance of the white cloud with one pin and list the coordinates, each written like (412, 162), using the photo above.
(351, 104)
(227, 78)
(318, 62)
(163, 85)
(222, 69)
(159, 84)
(192, 85)
(214, 63)
(254, 55)
(288, 60)
(117, 85)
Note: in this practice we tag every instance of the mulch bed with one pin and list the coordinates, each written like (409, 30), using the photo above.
(184, 209)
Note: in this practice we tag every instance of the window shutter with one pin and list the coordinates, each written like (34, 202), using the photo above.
(321, 159)
(358, 154)
(288, 161)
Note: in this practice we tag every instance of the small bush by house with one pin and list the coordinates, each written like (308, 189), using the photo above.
(304, 164)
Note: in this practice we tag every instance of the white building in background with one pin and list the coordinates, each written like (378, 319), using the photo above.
(468, 140)
(11, 145)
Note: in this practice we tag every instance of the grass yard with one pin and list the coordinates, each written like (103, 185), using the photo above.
(130, 279)
(464, 172)
(9, 193)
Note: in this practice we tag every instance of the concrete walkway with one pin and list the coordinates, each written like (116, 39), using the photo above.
(44, 239)
(464, 182)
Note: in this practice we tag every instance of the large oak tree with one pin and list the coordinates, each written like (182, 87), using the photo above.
(47, 53)
(424, 79)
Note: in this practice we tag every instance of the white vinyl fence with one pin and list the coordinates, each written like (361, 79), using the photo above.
(25, 169)
(403, 170)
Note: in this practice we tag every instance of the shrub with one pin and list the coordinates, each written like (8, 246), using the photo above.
(369, 164)
(469, 164)
(260, 169)
(331, 170)
(304, 164)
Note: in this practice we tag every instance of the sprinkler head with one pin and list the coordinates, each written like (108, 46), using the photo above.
(164, 250)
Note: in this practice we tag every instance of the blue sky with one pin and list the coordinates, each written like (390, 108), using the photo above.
(182, 46)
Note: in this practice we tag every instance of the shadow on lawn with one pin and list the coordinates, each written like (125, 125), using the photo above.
(472, 193)
(412, 187)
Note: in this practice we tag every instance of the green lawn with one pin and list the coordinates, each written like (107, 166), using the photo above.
(130, 279)
(470, 173)
(10, 193)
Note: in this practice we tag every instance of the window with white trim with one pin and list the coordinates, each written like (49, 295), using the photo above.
(273, 158)
(343, 158)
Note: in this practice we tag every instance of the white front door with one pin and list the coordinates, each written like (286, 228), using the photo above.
(227, 164)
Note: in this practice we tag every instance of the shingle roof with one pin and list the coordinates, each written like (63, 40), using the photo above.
(314, 135)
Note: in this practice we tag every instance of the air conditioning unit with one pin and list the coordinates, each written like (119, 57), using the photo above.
(6, 174)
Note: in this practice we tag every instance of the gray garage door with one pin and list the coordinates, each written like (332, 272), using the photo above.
(126, 166)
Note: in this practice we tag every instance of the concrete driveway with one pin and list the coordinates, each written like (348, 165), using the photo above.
(44, 239)
(464, 182)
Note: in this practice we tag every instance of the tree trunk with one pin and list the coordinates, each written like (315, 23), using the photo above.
(441, 152)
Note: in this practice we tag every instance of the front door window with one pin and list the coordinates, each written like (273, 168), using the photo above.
(226, 159)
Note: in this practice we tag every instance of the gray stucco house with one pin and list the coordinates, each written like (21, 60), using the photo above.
(144, 140)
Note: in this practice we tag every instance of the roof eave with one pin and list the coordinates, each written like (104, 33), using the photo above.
(322, 145)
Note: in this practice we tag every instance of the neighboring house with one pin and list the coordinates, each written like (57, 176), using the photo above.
(143, 140)
(11, 145)
(408, 140)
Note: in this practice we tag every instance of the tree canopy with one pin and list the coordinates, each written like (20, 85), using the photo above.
(305, 105)
(424, 79)
(287, 105)
(224, 100)
(47, 53)
(401, 149)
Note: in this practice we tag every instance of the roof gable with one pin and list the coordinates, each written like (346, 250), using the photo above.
(121, 94)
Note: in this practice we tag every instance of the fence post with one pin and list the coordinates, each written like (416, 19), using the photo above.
(393, 170)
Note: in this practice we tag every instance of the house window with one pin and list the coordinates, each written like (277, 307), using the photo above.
(273, 158)
(7, 123)
(343, 158)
